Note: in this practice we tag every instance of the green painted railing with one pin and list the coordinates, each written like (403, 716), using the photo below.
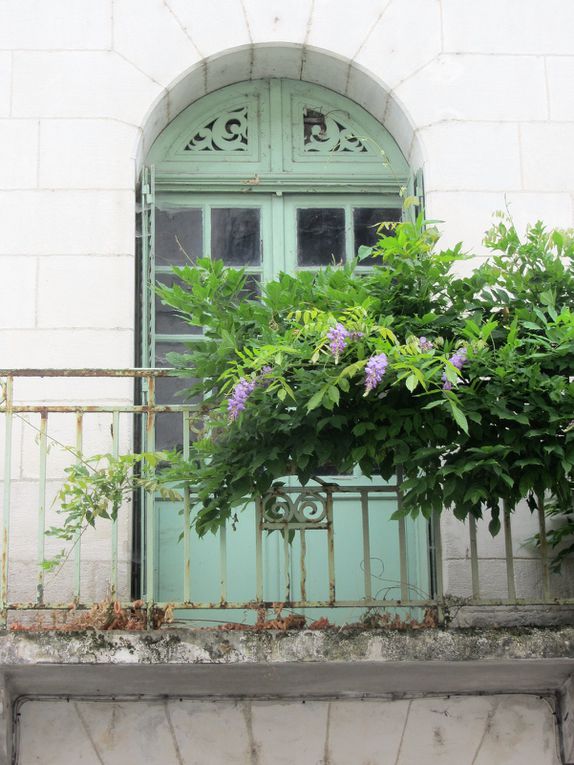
(293, 516)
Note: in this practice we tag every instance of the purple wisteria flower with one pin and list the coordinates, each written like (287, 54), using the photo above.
(425, 345)
(374, 371)
(240, 394)
(458, 360)
(337, 337)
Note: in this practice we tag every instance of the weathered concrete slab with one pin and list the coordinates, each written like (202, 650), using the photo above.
(455, 730)
(288, 664)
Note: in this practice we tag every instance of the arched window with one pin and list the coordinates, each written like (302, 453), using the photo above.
(270, 175)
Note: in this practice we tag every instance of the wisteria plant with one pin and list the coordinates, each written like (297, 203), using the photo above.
(459, 383)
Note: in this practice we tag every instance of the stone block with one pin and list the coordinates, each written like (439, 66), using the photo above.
(548, 156)
(87, 154)
(276, 61)
(560, 76)
(80, 84)
(274, 20)
(213, 32)
(302, 741)
(67, 222)
(467, 214)
(513, 730)
(5, 83)
(59, 24)
(335, 26)
(376, 725)
(407, 37)
(137, 29)
(508, 26)
(73, 348)
(496, 88)
(86, 292)
(369, 94)
(18, 303)
(18, 154)
(329, 71)
(471, 156)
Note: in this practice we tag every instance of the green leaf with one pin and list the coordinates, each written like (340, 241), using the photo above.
(459, 416)
(411, 382)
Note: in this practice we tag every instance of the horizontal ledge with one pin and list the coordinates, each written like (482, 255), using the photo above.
(304, 664)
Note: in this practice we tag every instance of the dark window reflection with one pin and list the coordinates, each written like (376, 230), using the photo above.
(178, 236)
(167, 321)
(170, 391)
(366, 220)
(320, 236)
(235, 236)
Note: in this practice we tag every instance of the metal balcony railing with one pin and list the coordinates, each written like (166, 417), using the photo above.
(324, 549)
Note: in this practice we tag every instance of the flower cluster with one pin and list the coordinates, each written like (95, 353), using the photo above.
(244, 388)
(240, 394)
(374, 371)
(458, 360)
(425, 345)
(337, 337)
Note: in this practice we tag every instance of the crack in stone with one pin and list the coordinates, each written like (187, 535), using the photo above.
(253, 749)
(88, 733)
(183, 28)
(486, 731)
(326, 751)
(172, 732)
(403, 733)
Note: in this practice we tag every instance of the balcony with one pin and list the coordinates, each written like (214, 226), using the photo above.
(325, 554)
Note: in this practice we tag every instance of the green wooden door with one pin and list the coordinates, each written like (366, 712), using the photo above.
(272, 176)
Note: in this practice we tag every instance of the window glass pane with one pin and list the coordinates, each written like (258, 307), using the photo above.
(320, 236)
(365, 223)
(235, 236)
(178, 236)
(167, 321)
(170, 391)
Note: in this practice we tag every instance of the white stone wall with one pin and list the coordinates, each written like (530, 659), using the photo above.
(477, 94)
(455, 730)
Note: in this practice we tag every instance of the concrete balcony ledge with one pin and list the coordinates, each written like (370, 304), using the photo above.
(311, 664)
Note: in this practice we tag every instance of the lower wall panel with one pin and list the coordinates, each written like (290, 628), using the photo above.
(462, 730)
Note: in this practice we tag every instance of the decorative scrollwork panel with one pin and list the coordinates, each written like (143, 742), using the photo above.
(328, 134)
(227, 132)
(306, 508)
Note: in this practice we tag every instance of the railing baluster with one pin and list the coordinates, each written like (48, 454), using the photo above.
(186, 517)
(8, 391)
(543, 548)
(150, 530)
(474, 558)
(331, 546)
(303, 587)
(115, 454)
(509, 555)
(259, 549)
(436, 551)
(286, 563)
(41, 507)
(404, 576)
(366, 544)
(223, 561)
(78, 538)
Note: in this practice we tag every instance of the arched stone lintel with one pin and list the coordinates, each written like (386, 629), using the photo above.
(298, 62)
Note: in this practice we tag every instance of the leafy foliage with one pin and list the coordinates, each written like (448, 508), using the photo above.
(478, 435)
(96, 488)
